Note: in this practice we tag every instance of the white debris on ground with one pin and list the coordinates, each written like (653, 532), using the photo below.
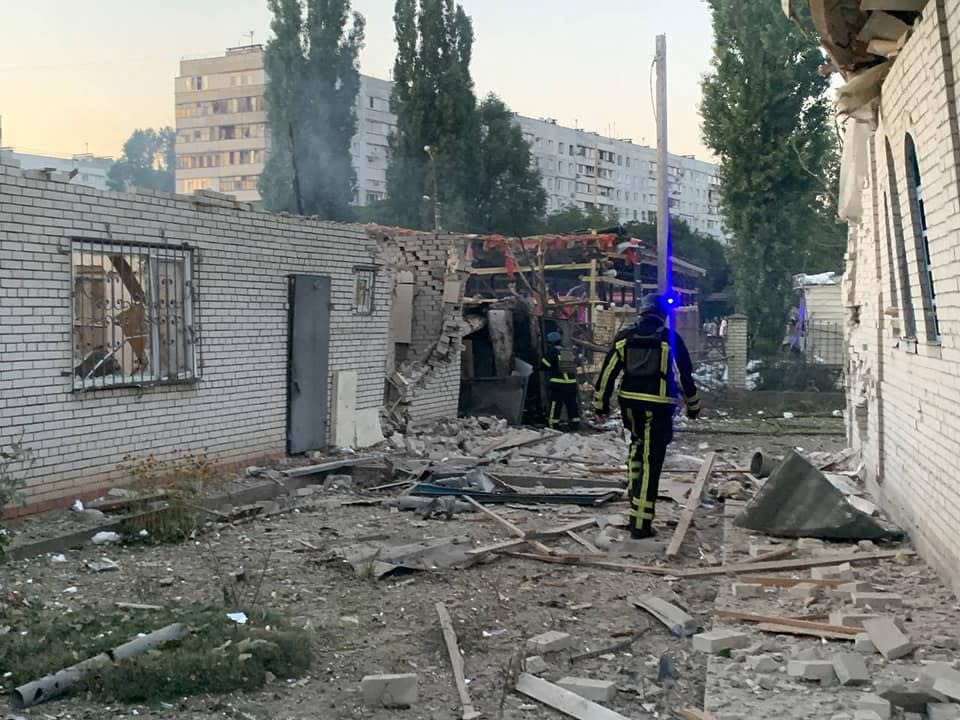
(714, 375)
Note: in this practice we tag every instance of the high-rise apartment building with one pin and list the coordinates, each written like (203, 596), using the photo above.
(588, 170)
(222, 123)
(222, 134)
(223, 140)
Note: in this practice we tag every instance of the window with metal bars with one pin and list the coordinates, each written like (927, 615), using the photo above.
(133, 315)
(363, 290)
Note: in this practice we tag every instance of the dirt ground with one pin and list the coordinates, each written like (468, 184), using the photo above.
(365, 626)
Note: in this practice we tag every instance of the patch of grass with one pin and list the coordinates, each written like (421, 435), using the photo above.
(218, 656)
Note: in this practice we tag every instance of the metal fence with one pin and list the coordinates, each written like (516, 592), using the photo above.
(133, 315)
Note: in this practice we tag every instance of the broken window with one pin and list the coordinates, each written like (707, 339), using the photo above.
(132, 315)
(928, 292)
(363, 290)
(909, 325)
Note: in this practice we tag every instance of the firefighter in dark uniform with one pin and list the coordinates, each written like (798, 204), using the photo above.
(649, 394)
(560, 365)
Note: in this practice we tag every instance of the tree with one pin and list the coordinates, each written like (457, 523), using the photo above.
(573, 219)
(148, 161)
(311, 95)
(510, 196)
(692, 246)
(436, 108)
(767, 117)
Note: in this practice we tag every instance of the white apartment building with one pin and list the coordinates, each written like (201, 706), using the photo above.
(222, 142)
(588, 170)
(222, 123)
(222, 135)
(91, 170)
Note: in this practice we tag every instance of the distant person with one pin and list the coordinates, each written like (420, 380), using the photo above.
(561, 366)
(649, 393)
(723, 329)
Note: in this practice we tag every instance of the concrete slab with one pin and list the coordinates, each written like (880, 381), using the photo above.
(799, 501)
(549, 642)
(389, 690)
(811, 670)
(596, 690)
(888, 638)
(851, 669)
(717, 641)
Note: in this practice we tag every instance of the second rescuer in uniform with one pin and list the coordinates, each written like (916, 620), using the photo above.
(649, 394)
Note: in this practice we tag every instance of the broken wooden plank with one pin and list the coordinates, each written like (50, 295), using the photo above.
(783, 552)
(796, 564)
(583, 541)
(331, 466)
(456, 661)
(677, 621)
(498, 546)
(693, 502)
(692, 713)
(788, 582)
(509, 526)
(137, 606)
(592, 562)
(615, 648)
(564, 701)
(785, 622)
(777, 629)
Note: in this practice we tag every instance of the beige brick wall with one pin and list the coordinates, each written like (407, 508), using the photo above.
(903, 394)
(237, 410)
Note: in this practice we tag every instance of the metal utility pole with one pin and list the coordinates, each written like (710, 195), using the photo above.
(663, 202)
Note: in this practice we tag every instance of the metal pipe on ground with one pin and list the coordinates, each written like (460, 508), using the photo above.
(762, 464)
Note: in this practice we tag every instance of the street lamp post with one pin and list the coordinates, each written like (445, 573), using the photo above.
(436, 197)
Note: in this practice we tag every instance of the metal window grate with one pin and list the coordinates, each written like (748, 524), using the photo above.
(132, 314)
(363, 290)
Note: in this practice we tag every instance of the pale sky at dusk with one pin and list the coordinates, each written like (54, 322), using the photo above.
(82, 75)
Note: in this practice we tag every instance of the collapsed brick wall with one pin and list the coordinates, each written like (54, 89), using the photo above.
(902, 392)
(425, 384)
(237, 409)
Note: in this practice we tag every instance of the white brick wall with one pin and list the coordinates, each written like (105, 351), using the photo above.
(904, 397)
(237, 410)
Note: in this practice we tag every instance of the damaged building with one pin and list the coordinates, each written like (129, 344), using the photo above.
(158, 325)
(900, 192)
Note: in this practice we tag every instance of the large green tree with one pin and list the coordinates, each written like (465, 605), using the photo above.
(767, 117)
(148, 161)
(312, 66)
(510, 198)
(573, 219)
(433, 98)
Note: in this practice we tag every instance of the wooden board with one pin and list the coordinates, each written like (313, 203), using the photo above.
(797, 564)
(686, 517)
(456, 661)
(788, 582)
(564, 701)
(783, 552)
(579, 539)
(691, 713)
(786, 622)
(802, 632)
(591, 562)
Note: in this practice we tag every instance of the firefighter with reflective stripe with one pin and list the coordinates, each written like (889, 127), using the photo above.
(561, 366)
(649, 394)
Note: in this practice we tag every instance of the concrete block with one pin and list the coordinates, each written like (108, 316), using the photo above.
(549, 642)
(937, 670)
(811, 545)
(851, 669)
(834, 572)
(745, 591)
(763, 664)
(851, 619)
(535, 665)
(877, 601)
(888, 638)
(803, 591)
(717, 641)
(869, 702)
(389, 690)
(811, 670)
(948, 686)
(845, 592)
(596, 690)
(943, 711)
(760, 549)
(863, 644)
